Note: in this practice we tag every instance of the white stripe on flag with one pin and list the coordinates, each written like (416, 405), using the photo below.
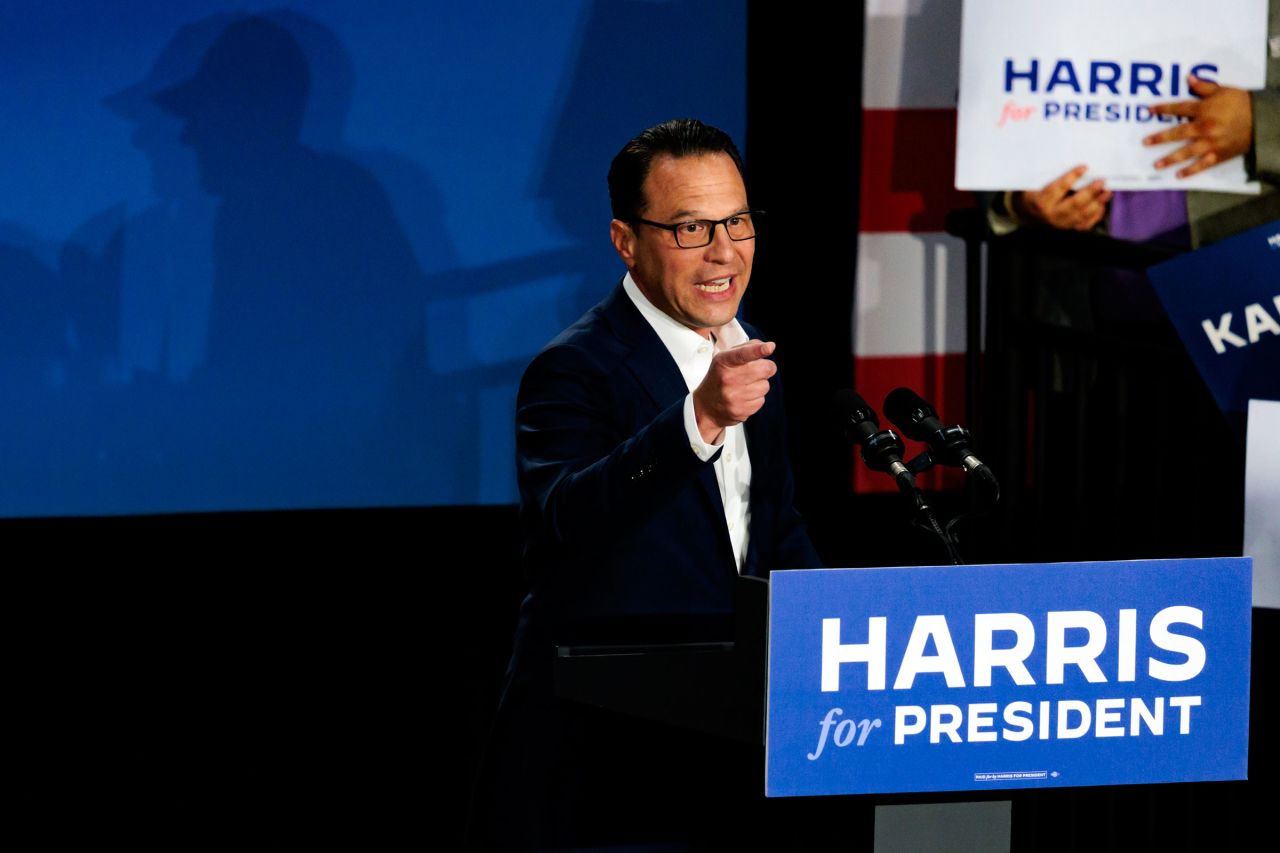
(910, 295)
(911, 54)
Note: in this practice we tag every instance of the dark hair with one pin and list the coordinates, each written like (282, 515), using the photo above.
(680, 137)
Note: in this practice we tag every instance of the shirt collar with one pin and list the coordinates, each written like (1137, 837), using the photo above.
(682, 342)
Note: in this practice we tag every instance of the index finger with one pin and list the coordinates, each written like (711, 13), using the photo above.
(752, 350)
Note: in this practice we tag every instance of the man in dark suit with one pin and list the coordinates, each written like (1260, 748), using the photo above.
(653, 471)
(631, 423)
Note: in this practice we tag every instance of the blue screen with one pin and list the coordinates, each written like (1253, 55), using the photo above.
(296, 255)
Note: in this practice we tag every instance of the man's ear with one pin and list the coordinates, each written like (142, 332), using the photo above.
(624, 241)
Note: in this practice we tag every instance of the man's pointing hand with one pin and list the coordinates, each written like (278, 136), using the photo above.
(734, 388)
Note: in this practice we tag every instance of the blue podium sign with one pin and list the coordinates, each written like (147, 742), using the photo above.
(1007, 676)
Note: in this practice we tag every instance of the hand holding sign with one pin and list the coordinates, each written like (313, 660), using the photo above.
(1045, 85)
(734, 388)
(1221, 127)
(1058, 206)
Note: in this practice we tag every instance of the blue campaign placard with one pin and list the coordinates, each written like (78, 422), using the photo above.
(962, 678)
(1224, 300)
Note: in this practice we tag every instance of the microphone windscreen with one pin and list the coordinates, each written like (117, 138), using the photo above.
(847, 406)
(908, 409)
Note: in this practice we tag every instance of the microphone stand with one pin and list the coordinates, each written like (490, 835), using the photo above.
(883, 452)
(924, 518)
(988, 492)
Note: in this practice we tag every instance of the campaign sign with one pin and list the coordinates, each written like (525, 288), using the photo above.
(1047, 85)
(1007, 676)
(1224, 300)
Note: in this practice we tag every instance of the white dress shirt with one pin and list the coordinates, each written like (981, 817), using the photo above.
(692, 353)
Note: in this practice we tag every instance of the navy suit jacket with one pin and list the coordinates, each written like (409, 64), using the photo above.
(620, 518)
(623, 526)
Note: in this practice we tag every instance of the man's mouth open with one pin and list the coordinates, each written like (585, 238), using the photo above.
(718, 285)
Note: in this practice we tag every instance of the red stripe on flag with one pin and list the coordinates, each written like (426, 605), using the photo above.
(908, 170)
(937, 378)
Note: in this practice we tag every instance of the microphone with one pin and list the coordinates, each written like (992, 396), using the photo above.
(949, 444)
(881, 449)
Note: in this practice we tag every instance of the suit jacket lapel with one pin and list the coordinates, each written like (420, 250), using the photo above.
(658, 375)
(647, 359)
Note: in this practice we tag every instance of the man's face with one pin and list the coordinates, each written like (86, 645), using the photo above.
(700, 288)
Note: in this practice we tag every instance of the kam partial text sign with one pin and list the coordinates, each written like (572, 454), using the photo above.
(1224, 300)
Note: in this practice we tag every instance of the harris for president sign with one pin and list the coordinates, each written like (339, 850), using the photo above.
(1047, 85)
(1007, 676)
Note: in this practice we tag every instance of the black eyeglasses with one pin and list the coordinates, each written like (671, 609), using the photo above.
(696, 233)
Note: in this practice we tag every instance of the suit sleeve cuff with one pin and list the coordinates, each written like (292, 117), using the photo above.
(705, 452)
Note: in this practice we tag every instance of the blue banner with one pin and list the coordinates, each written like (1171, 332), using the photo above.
(289, 254)
(1224, 300)
(1007, 676)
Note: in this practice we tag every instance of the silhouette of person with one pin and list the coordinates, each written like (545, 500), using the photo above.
(166, 265)
(313, 365)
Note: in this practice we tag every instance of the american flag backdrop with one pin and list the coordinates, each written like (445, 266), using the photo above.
(910, 290)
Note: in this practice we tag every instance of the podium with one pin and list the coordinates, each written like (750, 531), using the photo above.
(920, 681)
(712, 686)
